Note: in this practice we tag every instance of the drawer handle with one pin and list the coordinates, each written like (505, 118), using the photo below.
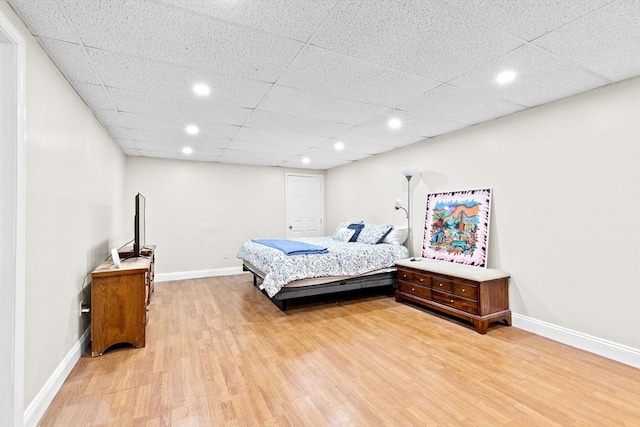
(451, 301)
(413, 289)
(421, 280)
(404, 276)
(440, 284)
(462, 289)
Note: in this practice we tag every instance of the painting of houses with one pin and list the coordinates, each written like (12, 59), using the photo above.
(457, 226)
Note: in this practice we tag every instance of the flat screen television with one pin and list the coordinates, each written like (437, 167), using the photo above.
(138, 226)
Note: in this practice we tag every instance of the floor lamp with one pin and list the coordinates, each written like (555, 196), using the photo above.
(409, 172)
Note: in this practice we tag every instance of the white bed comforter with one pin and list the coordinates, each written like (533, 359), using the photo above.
(343, 259)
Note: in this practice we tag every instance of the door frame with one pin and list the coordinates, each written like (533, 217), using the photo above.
(12, 222)
(286, 197)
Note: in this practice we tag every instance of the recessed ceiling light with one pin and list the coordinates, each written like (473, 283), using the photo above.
(306, 160)
(339, 145)
(506, 77)
(201, 89)
(187, 150)
(395, 123)
(192, 129)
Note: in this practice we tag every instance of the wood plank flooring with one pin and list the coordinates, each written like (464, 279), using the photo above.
(220, 353)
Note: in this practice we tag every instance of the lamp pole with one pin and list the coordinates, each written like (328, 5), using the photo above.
(409, 172)
(409, 202)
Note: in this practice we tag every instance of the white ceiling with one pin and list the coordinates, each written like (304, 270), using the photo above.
(289, 78)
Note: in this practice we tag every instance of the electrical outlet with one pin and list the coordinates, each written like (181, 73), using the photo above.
(225, 255)
(84, 308)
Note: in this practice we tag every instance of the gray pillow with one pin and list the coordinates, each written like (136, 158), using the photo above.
(374, 233)
(343, 234)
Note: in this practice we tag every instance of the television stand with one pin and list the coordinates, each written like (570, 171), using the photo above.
(119, 299)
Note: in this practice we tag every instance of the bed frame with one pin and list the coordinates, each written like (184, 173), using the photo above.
(387, 279)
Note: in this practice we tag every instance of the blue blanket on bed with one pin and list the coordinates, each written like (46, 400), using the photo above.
(292, 247)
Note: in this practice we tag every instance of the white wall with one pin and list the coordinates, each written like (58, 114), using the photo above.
(74, 175)
(196, 211)
(565, 210)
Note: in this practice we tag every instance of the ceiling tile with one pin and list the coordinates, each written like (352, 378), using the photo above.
(318, 106)
(110, 118)
(401, 35)
(46, 19)
(422, 123)
(267, 137)
(249, 161)
(606, 41)
(176, 126)
(178, 156)
(194, 110)
(268, 120)
(177, 139)
(322, 71)
(252, 154)
(145, 75)
(118, 132)
(541, 78)
(131, 152)
(457, 105)
(127, 143)
(94, 95)
(388, 137)
(321, 155)
(71, 60)
(256, 146)
(320, 164)
(199, 149)
(358, 147)
(167, 34)
(528, 19)
(293, 19)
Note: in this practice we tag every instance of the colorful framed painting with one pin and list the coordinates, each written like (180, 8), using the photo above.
(456, 227)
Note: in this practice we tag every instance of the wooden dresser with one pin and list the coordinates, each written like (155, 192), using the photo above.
(119, 298)
(477, 295)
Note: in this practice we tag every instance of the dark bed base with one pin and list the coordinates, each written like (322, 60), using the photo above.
(380, 280)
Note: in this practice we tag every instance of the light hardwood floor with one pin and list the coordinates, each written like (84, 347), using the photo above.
(220, 353)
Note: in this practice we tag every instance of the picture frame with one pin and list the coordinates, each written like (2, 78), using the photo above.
(456, 227)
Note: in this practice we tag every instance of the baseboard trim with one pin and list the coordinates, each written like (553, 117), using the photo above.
(41, 402)
(198, 274)
(611, 350)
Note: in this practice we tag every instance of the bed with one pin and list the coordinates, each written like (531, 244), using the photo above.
(347, 265)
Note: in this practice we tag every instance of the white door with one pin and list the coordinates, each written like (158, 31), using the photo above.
(305, 206)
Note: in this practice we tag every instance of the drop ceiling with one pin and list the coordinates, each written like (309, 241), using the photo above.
(290, 78)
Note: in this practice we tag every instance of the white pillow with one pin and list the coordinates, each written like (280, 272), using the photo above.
(397, 235)
(343, 234)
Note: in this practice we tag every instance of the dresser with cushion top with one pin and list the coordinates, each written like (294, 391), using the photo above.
(477, 295)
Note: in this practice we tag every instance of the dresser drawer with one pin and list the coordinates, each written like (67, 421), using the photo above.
(470, 306)
(413, 289)
(440, 284)
(421, 279)
(405, 275)
(464, 290)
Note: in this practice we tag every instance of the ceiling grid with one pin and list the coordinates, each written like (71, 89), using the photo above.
(290, 78)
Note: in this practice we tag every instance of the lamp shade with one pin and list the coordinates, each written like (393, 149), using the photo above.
(409, 171)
